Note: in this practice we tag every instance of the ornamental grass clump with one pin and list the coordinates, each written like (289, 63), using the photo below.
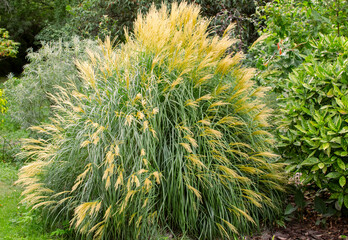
(167, 133)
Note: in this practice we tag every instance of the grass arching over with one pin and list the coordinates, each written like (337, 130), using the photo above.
(16, 222)
(167, 132)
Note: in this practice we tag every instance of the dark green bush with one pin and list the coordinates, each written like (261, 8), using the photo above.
(306, 72)
(314, 116)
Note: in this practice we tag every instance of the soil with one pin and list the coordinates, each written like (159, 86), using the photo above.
(308, 224)
(334, 229)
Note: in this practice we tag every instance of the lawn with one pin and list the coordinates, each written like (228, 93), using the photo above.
(15, 221)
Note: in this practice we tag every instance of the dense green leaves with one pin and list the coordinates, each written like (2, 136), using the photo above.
(302, 56)
(315, 122)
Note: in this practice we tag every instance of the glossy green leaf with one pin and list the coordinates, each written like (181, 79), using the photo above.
(340, 200)
(321, 165)
(325, 170)
(306, 110)
(330, 93)
(325, 146)
(315, 168)
(333, 175)
(346, 201)
(310, 161)
(336, 140)
(344, 130)
(341, 153)
(301, 128)
(342, 181)
(341, 164)
(340, 103)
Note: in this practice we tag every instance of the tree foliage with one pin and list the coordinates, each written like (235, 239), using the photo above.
(24, 19)
(90, 18)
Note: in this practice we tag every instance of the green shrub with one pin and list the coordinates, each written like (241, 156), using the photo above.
(285, 41)
(315, 123)
(167, 132)
(9, 133)
(51, 67)
(7, 46)
(297, 20)
(274, 59)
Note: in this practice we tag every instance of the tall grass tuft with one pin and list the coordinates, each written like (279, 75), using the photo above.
(168, 132)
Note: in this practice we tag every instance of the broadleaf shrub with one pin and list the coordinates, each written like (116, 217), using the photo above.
(8, 47)
(166, 132)
(285, 41)
(314, 118)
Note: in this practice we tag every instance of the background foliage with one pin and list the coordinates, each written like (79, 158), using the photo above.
(51, 67)
(289, 28)
(42, 20)
(24, 19)
(99, 18)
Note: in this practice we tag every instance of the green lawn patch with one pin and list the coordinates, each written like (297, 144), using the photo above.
(16, 222)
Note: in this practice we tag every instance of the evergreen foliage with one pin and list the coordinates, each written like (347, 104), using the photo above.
(91, 18)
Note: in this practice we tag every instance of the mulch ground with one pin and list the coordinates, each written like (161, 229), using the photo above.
(305, 226)
(334, 229)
